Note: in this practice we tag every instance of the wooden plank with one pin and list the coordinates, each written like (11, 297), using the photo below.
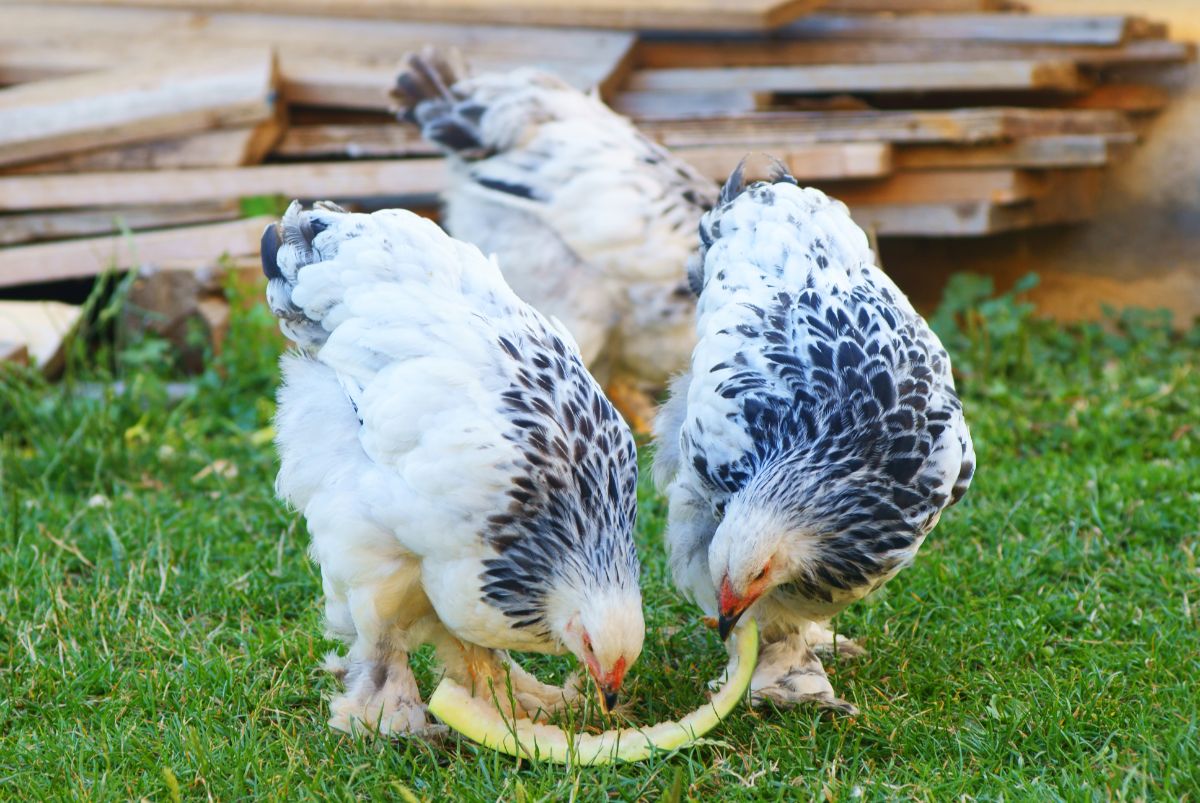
(25, 227)
(23, 62)
(806, 162)
(1087, 150)
(810, 161)
(919, 6)
(73, 259)
(1056, 29)
(41, 327)
(226, 147)
(631, 14)
(997, 186)
(140, 101)
(371, 140)
(963, 219)
(45, 41)
(668, 53)
(1070, 197)
(1128, 98)
(672, 105)
(14, 352)
(958, 125)
(981, 76)
(1043, 122)
(330, 180)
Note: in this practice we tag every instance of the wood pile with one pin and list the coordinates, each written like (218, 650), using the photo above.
(928, 117)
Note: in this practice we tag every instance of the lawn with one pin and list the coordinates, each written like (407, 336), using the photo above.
(160, 622)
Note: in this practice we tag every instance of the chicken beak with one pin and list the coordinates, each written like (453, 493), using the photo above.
(730, 608)
(725, 623)
(609, 685)
(608, 699)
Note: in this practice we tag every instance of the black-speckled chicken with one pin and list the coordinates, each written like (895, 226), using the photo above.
(817, 438)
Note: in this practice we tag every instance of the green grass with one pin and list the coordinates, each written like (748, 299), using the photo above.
(160, 622)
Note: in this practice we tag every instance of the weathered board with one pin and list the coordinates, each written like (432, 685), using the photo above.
(25, 227)
(956, 125)
(226, 147)
(1083, 150)
(73, 259)
(775, 51)
(138, 101)
(633, 14)
(1056, 29)
(937, 76)
(50, 40)
(323, 180)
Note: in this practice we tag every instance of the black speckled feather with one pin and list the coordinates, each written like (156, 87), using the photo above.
(817, 392)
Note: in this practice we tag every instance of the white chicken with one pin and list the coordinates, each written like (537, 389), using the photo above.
(464, 479)
(592, 222)
(817, 438)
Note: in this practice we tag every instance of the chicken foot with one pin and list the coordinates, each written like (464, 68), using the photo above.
(381, 691)
(790, 673)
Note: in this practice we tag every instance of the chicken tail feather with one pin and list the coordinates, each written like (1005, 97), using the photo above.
(287, 246)
(425, 96)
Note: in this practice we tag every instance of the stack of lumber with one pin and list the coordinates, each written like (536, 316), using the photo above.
(928, 117)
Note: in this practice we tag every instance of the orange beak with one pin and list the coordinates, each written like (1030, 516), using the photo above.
(609, 684)
(730, 607)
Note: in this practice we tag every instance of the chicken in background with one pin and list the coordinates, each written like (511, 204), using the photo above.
(592, 222)
(817, 438)
(465, 481)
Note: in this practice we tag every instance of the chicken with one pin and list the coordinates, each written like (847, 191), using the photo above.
(816, 439)
(464, 479)
(592, 222)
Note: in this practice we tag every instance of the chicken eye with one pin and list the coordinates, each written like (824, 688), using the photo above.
(761, 574)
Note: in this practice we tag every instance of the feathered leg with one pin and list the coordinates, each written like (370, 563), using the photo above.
(789, 673)
(538, 698)
(821, 639)
(484, 671)
(380, 690)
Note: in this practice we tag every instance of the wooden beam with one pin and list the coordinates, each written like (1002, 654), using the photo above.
(73, 259)
(1061, 76)
(1056, 29)
(1085, 150)
(41, 327)
(672, 105)
(13, 352)
(25, 227)
(370, 140)
(777, 51)
(838, 160)
(1128, 98)
(806, 162)
(936, 219)
(226, 147)
(958, 125)
(920, 6)
(328, 180)
(997, 186)
(140, 101)
(632, 14)
(1069, 197)
(42, 40)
